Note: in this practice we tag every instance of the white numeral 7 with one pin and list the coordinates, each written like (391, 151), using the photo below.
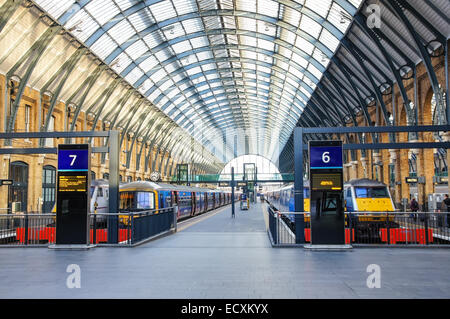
(74, 158)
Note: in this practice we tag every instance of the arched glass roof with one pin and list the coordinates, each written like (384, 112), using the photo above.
(216, 67)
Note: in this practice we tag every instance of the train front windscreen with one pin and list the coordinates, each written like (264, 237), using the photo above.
(132, 201)
(371, 192)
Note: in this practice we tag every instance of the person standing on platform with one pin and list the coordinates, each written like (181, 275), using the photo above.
(414, 205)
(447, 203)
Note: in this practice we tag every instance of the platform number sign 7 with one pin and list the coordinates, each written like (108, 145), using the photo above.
(74, 157)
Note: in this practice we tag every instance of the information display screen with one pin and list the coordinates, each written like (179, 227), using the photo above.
(72, 183)
(326, 182)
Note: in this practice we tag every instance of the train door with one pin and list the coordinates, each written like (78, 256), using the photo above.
(193, 204)
(161, 202)
(203, 202)
(176, 202)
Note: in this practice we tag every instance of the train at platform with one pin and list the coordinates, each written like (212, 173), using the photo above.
(360, 195)
(191, 201)
(145, 195)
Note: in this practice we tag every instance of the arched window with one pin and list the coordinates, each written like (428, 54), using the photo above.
(106, 176)
(93, 176)
(18, 192)
(438, 118)
(48, 188)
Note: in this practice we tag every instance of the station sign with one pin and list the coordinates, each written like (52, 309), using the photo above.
(414, 180)
(241, 184)
(224, 184)
(411, 180)
(6, 182)
(73, 159)
(326, 157)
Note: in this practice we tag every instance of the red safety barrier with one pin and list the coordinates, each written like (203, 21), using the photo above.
(48, 234)
(34, 234)
(102, 235)
(347, 235)
(404, 235)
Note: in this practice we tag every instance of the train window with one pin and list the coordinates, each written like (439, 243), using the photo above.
(92, 190)
(145, 200)
(371, 192)
(126, 200)
(137, 200)
(100, 192)
(361, 192)
(378, 192)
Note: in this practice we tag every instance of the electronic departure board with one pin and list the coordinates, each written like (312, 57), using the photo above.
(326, 181)
(326, 194)
(73, 195)
(72, 183)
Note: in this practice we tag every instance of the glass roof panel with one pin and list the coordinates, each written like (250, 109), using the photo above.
(55, 8)
(163, 10)
(189, 60)
(83, 25)
(102, 10)
(122, 32)
(141, 19)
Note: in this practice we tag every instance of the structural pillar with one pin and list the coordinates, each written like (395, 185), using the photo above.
(354, 170)
(378, 162)
(394, 159)
(420, 175)
(347, 171)
(364, 166)
(446, 137)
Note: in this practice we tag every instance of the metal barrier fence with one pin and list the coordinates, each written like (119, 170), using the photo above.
(370, 228)
(27, 229)
(133, 227)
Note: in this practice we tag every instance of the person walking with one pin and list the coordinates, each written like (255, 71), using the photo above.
(447, 203)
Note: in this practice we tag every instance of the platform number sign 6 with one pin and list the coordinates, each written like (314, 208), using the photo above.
(326, 157)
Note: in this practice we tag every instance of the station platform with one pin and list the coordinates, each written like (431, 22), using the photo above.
(215, 256)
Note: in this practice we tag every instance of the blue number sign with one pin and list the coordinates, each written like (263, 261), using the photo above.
(322, 157)
(73, 160)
